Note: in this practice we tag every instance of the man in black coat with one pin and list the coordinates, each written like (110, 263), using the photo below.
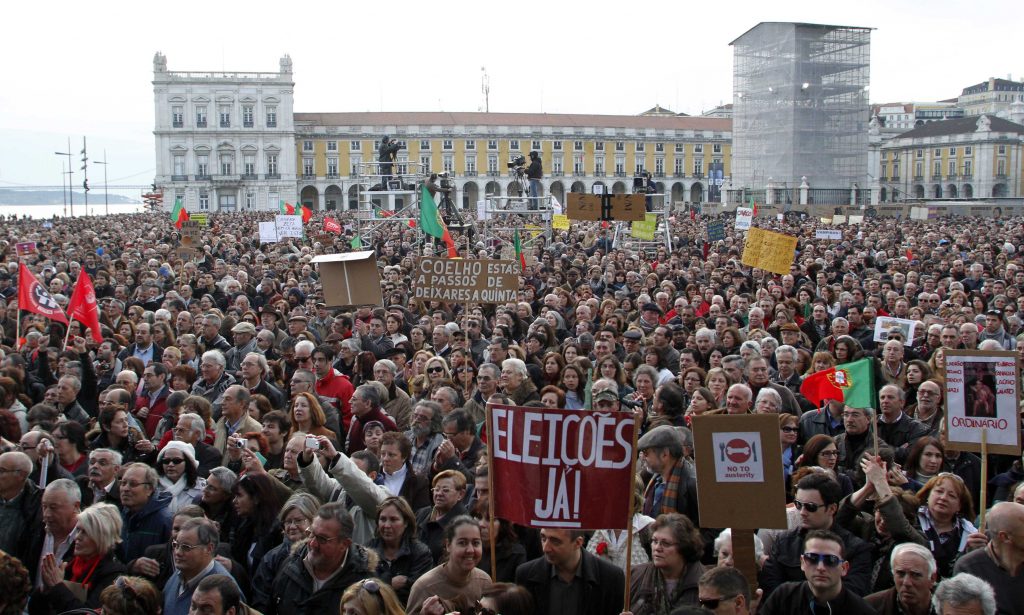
(568, 580)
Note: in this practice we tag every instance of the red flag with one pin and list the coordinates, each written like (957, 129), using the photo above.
(755, 208)
(910, 254)
(83, 307)
(33, 297)
(307, 214)
(288, 209)
(818, 387)
(331, 226)
(693, 214)
(707, 249)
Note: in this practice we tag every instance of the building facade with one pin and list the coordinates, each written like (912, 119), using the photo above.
(991, 97)
(975, 157)
(578, 152)
(225, 141)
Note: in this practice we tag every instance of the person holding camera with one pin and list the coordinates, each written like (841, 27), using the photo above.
(386, 154)
(534, 173)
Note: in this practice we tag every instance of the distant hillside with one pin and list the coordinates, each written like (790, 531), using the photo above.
(56, 197)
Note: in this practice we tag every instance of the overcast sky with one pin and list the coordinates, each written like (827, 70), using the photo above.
(85, 68)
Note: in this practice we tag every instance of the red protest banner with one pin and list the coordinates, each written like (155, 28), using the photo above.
(562, 468)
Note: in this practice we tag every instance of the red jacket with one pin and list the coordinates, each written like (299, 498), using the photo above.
(338, 387)
(156, 411)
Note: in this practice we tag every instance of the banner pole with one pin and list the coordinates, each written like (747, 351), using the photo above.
(984, 481)
(491, 538)
(874, 430)
(67, 334)
(17, 331)
(629, 519)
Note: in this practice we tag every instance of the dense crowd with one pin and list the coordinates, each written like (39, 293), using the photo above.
(234, 443)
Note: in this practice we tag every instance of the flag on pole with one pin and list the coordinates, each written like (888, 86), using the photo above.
(83, 306)
(307, 214)
(178, 214)
(519, 251)
(356, 243)
(432, 224)
(332, 226)
(851, 383)
(556, 205)
(33, 297)
(753, 204)
(287, 209)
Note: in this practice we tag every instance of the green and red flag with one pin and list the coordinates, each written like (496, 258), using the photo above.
(287, 209)
(432, 224)
(753, 204)
(307, 214)
(851, 383)
(519, 251)
(179, 214)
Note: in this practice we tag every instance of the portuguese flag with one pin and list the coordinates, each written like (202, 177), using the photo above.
(178, 214)
(432, 224)
(519, 251)
(307, 214)
(287, 209)
(851, 383)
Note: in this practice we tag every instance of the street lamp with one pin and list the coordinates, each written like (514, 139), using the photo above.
(71, 186)
(106, 206)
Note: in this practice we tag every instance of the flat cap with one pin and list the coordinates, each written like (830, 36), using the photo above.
(244, 327)
(663, 436)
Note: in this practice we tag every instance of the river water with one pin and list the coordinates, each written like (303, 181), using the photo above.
(48, 211)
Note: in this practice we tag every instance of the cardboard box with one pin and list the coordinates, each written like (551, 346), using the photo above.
(350, 279)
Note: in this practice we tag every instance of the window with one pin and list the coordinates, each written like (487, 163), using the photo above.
(179, 165)
(226, 201)
(355, 162)
(938, 152)
(679, 169)
(698, 148)
(1000, 168)
(620, 166)
(470, 144)
(952, 168)
(620, 146)
(577, 146)
(599, 146)
(250, 200)
(271, 117)
(307, 166)
(556, 146)
(967, 151)
(425, 164)
(425, 145)
(471, 165)
(307, 146)
(402, 163)
(659, 147)
(919, 169)
(967, 168)
(271, 164)
(355, 146)
(332, 167)
(446, 144)
(716, 148)
(204, 201)
(937, 169)
(201, 117)
(952, 151)
(556, 165)
(492, 165)
(224, 112)
(226, 162)
(177, 116)
(578, 164)
(203, 165)
(448, 163)
(492, 144)
(659, 166)
(698, 167)
(639, 166)
(249, 164)
(680, 148)
(332, 146)
(1002, 150)
(247, 116)
(535, 145)
(920, 153)
(639, 146)
(599, 166)
(513, 144)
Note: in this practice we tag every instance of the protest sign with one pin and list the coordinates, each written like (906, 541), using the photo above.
(595, 207)
(191, 233)
(838, 219)
(562, 468)
(769, 250)
(828, 233)
(349, 279)
(466, 280)
(24, 248)
(645, 230)
(560, 222)
(268, 232)
(716, 230)
(982, 389)
(288, 226)
(744, 218)
(884, 323)
(856, 219)
(202, 218)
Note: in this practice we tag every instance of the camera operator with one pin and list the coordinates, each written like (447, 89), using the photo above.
(438, 184)
(534, 173)
(386, 155)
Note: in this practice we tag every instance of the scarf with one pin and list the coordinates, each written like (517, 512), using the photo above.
(671, 500)
(83, 567)
(173, 488)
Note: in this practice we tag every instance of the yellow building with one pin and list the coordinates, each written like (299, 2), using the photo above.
(578, 152)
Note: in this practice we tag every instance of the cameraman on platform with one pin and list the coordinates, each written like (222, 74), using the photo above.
(534, 173)
(386, 154)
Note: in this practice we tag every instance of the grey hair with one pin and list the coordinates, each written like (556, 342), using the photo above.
(727, 535)
(914, 549)
(786, 348)
(840, 319)
(306, 503)
(337, 512)
(388, 364)
(770, 393)
(227, 478)
(214, 356)
(115, 456)
(751, 345)
(195, 422)
(706, 332)
(369, 393)
(207, 532)
(436, 412)
(68, 487)
(76, 384)
(648, 370)
(262, 360)
(962, 590)
(451, 394)
(350, 345)
(516, 365)
(735, 358)
(213, 319)
(305, 345)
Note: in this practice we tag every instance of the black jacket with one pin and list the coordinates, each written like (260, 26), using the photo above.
(795, 599)
(431, 533)
(30, 543)
(413, 561)
(783, 564)
(293, 593)
(535, 170)
(59, 598)
(603, 590)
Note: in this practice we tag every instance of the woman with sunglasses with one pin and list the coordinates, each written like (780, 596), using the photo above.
(403, 558)
(370, 597)
(465, 378)
(457, 583)
(178, 471)
(789, 430)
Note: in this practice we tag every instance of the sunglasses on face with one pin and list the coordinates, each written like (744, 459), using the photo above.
(790, 429)
(810, 506)
(435, 370)
(829, 560)
(170, 461)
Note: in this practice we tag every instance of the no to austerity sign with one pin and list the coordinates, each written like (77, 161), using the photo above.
(561, 468)
(459, 280)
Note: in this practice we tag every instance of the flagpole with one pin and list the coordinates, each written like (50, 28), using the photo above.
(491, 538)
(632, 511)
(67, 334)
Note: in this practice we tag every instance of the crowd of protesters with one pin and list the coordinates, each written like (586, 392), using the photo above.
(234, 443)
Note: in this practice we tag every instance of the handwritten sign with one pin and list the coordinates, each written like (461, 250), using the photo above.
(268, 232)
(191, 232)
(769, 250)
(202, 218)
(829, 233)
(288, 226)
(645, 230)
(716, 231)
(744, 218)
(884, 323)
(560, 222)
(982, 389)
(466, 280)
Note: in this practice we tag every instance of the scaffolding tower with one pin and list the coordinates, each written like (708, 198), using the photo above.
(661, 207)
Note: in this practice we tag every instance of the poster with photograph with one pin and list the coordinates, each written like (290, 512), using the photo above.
(982, 389)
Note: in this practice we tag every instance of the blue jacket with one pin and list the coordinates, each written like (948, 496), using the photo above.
(150, 526)
(179, 605)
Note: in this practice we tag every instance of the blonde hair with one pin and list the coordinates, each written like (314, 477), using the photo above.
(102, 522)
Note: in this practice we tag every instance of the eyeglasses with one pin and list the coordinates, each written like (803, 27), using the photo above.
(442, 490)
(657, 542)
(294, 522)
(171, 461)
(465, 370)
(23, 447)
(810, 506)
(712, 603)
(828, 454)
(829, 560)
(299, 359)
(484, 378)
(789, 429)
(184, 548)
(435, 370)
(323, 540)
(9, 471)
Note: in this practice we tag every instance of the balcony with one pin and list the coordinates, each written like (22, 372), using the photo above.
(895, 178)
(200, 123)
(620, 174)
(179, 178)
(679, 174)
(557, 174)
(177, 124)
(250, 176)
(578, 174)
(248, 124)
(660, 175)
(919, 178)
(272, 176)
(469, 174)
(967, 177)
(494, 174)
(951, 177)
(1001, 176)
(698, 175)
(224, 124)
(936, 177)
(600, 173)
(202, 178)
(333, 176)
(227, 179)
(308, 177)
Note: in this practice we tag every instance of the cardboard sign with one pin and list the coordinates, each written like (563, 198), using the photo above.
(592, 207)
(769, 250)
(185, 253)
(856, 219)
(716, 231)
(24, 248)
(744, 218)
(288, 226)
(202, 218)
(560, 222)
(829, 233)
(838, 219)
(191, 232)
(350, 279)
(739, 461)
(982, 389)
(562, 468)
(645, 230)
(268, 232)
(458, 280)
(884, 323)
(918, 213)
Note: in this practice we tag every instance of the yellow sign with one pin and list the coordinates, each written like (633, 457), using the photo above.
(202, 219)
(560, 222)
(645, 230)
(769, 251)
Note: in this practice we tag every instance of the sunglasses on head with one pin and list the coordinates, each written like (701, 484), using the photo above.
(830, 561)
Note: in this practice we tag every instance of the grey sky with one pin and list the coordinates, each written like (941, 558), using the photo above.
(74, 68)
